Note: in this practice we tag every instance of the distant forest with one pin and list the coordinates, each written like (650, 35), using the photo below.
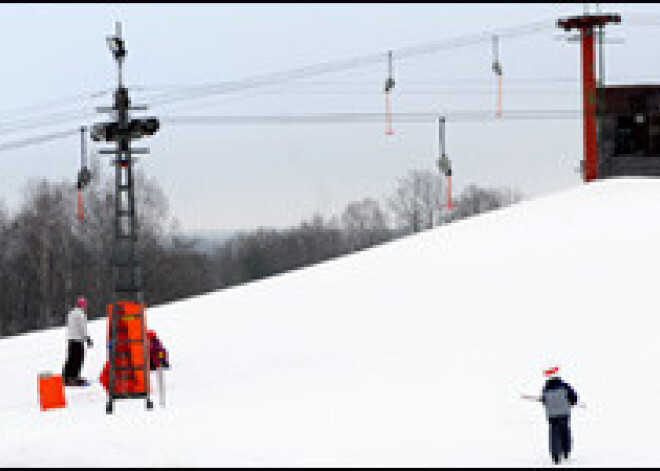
(48, 257)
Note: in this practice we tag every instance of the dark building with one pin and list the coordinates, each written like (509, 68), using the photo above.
(629, 131)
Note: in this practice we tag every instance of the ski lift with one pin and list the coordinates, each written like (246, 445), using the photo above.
(389, 86)
(84, 175)
(497, 68)
(444, 164)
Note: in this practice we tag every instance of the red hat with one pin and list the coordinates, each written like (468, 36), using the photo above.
(81, 302)
(551, 372)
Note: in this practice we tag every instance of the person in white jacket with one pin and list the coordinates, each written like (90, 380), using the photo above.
(76, 336)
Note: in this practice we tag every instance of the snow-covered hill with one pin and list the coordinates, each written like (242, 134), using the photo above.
(413, 353)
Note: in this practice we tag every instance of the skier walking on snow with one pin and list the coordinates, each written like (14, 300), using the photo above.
(558, 397)
(76, 335)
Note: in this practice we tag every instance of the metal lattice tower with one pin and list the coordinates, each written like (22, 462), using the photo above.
(125, 264)
(127, 324)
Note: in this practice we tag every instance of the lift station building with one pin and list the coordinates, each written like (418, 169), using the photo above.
(628, 131)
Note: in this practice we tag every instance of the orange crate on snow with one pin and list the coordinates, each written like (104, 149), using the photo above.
(51, 391)
(129, 326)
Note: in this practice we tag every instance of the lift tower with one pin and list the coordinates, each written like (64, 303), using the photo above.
(128, 358)
(586, 24)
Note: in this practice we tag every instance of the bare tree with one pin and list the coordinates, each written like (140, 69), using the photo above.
(364, 224)
(416, 201)
(475, 200)
(4, 245)
(46, 221)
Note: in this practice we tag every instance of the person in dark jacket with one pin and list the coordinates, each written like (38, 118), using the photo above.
(558, 397)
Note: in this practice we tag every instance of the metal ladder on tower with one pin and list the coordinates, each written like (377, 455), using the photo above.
(124, 367)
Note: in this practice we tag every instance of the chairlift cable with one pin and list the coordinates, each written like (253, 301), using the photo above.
(354, 117)
(13, 145)
(464, 116)
(49, 105)
(53, 119)
(347, 64)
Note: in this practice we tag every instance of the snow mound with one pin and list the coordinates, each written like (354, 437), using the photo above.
(414, 353)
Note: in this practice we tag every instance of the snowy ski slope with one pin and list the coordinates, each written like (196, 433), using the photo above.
(414, 353)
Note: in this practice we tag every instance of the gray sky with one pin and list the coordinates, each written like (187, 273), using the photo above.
(242, 176)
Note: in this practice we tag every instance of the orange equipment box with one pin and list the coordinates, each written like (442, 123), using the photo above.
(51, 391)
(130, 347)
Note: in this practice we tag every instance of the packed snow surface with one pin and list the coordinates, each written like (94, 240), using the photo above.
(414, 353)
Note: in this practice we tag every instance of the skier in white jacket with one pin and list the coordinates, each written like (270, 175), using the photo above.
(76, 335)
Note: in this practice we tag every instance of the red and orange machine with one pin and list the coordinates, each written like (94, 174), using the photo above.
(126, 374)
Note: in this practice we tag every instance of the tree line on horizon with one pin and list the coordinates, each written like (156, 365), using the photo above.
(48, 258)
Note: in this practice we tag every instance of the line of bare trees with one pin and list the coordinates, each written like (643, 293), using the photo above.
(48, 258)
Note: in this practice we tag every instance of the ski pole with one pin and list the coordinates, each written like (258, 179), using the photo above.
(160, 377)
(531, 398)
(527, 397)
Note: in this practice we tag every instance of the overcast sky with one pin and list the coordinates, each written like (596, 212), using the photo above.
(243, 176)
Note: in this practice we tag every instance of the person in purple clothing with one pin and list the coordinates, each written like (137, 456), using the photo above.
(158, 357)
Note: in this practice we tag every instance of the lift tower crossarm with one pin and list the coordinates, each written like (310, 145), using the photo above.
(586, 25)
(588, 21)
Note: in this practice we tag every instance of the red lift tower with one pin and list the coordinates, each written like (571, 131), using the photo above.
(586, 25)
